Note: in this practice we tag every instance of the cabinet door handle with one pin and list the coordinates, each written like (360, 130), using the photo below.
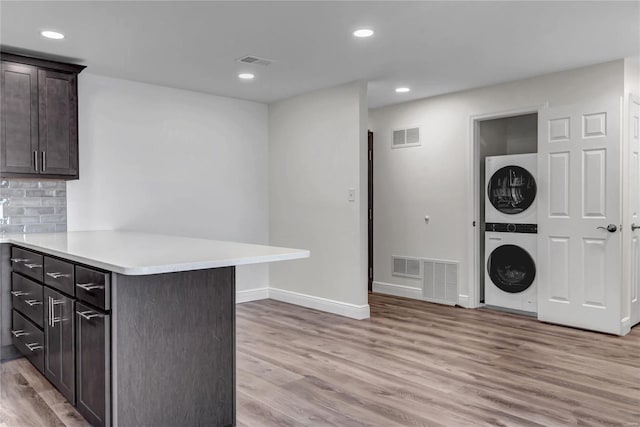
(19, 293)
(19, 260)
(35, 160)
(58, 275)
(52, 320)
(89, 286)
(55, 319)
(34, 346)
(50, 312)
(33, 302)
(30, 266)
(44, 161)
(18, 333)
(89, 314)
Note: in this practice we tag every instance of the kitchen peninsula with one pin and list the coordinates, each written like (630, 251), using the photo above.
(132, 328)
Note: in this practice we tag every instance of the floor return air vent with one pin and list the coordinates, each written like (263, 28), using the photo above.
(440, 282)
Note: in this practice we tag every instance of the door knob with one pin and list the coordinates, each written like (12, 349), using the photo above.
(635, 227)
(611, 228)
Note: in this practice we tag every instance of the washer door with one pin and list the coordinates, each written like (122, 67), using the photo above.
(511, 190)
(511, 268)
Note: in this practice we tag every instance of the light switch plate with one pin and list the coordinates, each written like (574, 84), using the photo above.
(352, 195)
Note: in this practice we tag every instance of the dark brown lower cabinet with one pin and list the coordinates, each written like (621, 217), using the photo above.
(59, 335)
(168, 359)
(94, 367)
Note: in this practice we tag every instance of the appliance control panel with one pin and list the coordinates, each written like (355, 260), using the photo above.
(511, 228)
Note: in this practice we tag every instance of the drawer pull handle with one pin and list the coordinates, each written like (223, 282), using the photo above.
(19, 333)
(34, 346)
(33, 302)
(58, 275)
(30, 266)
(19, 293)
(89, 286)
(19, 260)
(89, 314)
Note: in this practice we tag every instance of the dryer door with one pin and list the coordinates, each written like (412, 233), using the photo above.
(511, 190)
(511, 268)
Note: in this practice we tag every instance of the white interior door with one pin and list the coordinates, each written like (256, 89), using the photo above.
(632, 235)
(579, 173)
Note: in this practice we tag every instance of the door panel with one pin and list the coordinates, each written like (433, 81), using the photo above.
(579, 184)
(58, 125)
(632, 243)
(559, 192)
(559, 269)
(59, 334)
(595, 272)
(594, 181)
(19, 121)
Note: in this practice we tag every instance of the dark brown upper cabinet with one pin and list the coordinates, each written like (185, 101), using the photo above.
(38, 118)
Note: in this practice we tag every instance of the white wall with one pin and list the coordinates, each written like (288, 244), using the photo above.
(632, 75)
(434, 179)
(170, 161)
(317, 152)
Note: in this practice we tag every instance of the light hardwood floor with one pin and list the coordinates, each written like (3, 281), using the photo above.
(411, 364)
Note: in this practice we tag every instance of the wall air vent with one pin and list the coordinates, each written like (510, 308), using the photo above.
(440, 282)
(409, 137)
(406, 267)
(250, 59)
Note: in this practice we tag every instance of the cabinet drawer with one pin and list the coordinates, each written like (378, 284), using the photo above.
(59, 275)
(27, 298)
(93, 287)
(28, 339)
(27, 262)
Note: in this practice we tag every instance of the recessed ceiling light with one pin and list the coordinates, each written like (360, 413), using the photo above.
(402, 89)
(363, 32)
(246, 76)
(52, 35)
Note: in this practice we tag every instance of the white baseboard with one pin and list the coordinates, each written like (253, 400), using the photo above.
(353, 311)
(252, 295)
(463, 301)
(397, 290)
(413, 293)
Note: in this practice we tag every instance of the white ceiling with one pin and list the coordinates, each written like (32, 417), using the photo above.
(433, 47)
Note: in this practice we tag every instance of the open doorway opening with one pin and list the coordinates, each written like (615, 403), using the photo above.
(505, 186)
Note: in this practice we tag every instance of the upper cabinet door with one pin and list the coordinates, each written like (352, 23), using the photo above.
(19, 119)
(58, 118)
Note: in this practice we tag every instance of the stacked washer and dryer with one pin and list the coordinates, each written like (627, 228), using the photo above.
(510, 232)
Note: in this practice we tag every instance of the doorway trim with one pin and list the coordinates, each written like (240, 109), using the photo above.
(370, 209)
(472, 300)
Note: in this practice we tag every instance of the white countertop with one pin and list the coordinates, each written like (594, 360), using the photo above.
(134, 253)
